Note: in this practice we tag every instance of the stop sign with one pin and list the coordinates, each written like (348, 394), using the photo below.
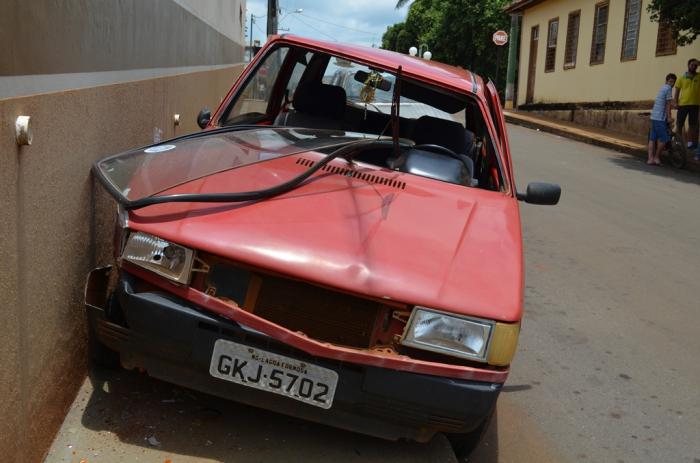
(500, 38)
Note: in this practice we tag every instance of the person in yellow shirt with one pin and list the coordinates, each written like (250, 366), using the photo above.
(686, 97)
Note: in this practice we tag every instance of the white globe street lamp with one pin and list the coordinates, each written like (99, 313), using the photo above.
(413, 51)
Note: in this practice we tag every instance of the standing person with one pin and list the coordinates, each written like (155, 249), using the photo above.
(687, 99)
(660, 116)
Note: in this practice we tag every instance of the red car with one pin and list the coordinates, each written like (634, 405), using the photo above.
(352, 258)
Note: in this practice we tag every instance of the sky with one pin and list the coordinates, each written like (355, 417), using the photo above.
(361, 22)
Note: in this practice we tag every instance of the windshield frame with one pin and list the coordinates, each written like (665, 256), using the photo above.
(474, 94)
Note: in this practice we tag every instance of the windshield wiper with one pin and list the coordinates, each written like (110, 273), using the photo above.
(347, 152)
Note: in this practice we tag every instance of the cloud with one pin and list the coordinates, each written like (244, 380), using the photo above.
(360, 22)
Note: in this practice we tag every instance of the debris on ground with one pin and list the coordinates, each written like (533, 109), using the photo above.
(153, 441)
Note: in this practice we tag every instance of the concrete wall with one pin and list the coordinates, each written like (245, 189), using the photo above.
(628, 122)
(51, 45)
(226, 16)
(56, 223)
(614, 80)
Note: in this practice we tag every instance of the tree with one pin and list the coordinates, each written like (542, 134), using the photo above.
(390, 36)
(682, 15)
(457, 32)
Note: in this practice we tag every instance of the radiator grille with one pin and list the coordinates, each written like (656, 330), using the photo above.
(369, 178)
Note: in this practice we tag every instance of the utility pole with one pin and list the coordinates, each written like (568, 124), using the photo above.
(272, 9)
(510, 102)
(252, 19)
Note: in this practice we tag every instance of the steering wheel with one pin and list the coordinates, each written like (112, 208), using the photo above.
(464, 159)
(437, 148)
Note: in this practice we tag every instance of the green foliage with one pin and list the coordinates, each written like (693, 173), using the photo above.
(683, 15)
(390, 36)
(457, 32)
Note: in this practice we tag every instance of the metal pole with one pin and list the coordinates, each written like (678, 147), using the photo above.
(512, 60)
(252, 18)
(272, 7)
(498, 63)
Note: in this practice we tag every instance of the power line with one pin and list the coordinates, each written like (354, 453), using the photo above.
(312, 27)
(338, 25)
(258, 28)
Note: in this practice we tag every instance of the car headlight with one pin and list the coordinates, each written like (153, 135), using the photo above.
(465, 337)
(167, 259)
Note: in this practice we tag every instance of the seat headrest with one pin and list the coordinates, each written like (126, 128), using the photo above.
(449, 134)
(320, 100)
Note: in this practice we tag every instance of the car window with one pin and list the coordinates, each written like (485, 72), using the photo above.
(251, 104)
(430, 116)
(345, 74)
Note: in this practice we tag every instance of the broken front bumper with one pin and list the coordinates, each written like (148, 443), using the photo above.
(173, 340)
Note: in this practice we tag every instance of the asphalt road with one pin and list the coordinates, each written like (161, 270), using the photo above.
(607, 369)
(609, 355)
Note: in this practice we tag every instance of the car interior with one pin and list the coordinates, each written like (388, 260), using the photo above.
(449, 140)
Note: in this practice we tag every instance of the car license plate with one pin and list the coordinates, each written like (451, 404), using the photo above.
(274, 373)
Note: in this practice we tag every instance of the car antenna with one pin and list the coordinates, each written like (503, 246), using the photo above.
(395, 114)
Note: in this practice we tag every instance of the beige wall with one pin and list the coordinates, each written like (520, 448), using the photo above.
(228, 17)
(614, 80)
(56, 223)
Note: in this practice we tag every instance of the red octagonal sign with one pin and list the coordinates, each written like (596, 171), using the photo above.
(500, 38)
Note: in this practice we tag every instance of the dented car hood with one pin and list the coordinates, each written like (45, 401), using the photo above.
(358, 228)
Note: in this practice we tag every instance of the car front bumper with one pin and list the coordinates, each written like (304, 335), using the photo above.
(173, 340)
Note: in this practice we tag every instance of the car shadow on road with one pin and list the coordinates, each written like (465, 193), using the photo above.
(638, 164)
(128, 414)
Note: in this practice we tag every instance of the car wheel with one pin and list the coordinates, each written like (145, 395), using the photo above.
(464, 444)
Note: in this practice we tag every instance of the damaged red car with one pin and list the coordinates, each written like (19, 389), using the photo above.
(341, 243)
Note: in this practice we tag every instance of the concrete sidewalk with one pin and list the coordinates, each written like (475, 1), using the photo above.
(634, 145)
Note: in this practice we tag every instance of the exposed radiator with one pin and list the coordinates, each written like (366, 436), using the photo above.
(319, 313)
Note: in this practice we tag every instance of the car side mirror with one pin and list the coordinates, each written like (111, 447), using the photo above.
(546, 194)
(203, 118)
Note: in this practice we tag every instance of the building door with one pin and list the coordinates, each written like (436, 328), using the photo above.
(532, 65)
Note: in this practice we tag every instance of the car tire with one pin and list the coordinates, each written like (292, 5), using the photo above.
(464, 444)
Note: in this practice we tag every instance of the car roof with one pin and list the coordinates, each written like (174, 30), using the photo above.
(417, 68)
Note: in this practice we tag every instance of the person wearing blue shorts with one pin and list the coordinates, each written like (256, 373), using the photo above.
(660, 117)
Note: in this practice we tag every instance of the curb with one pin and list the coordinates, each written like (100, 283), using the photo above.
(565, 132)
(631, 148)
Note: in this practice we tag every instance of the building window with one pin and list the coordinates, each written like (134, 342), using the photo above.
(572, 39)
(630, 35)
(665, 43)
(600, 29)
(551, 45)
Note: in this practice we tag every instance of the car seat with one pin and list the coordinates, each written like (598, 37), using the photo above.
(450, 134)
(315, 105)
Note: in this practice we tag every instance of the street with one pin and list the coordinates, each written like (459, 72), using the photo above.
(608, 353)
(606, 370)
